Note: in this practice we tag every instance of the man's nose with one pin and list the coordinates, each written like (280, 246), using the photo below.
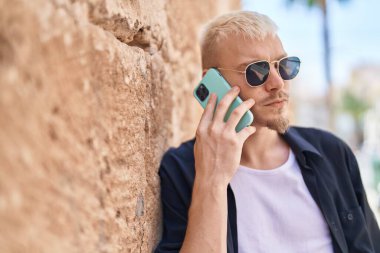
(274, 81)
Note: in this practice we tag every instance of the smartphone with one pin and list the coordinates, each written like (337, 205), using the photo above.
(214, 82)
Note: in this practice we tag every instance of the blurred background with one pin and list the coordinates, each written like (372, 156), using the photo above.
(338, 87)
(94, 92)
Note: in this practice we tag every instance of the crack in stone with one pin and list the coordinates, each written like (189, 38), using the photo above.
(140, 37)
(142, 237)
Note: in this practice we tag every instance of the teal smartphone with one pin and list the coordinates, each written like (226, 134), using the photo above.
(214, 82)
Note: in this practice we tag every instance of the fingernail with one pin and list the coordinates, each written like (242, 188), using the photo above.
(236, 88)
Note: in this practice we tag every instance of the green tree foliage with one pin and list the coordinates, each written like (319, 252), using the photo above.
(353, 105)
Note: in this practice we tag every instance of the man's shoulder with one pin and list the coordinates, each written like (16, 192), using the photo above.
(178, 159)
(321, 139)
(313, 134)
(183, 151)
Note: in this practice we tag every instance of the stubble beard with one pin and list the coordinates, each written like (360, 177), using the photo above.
(279, 124)
(274, 118)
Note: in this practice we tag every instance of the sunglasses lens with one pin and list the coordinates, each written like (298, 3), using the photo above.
(289, 67)
(257, 73)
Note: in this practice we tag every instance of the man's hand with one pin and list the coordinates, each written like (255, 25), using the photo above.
(218, 147)
(217, 152)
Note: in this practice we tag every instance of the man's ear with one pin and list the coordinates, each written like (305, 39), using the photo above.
(204, 72)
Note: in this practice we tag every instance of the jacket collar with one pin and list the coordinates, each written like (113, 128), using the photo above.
(301, 147)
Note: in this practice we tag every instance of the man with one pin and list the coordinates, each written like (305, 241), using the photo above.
(270, 187)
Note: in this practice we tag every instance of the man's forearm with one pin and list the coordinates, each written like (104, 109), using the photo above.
(207, 221)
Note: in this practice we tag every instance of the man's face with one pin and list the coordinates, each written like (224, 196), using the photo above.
(233, 53)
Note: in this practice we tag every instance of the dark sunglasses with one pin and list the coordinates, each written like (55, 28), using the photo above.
(256, 73)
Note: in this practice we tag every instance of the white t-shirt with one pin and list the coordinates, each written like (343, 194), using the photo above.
(276, 213)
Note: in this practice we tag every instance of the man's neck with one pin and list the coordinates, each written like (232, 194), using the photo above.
(265, 149)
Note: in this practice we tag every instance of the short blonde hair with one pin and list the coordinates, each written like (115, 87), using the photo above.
(250, 24)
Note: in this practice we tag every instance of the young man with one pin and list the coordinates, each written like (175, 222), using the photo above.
(268, 188)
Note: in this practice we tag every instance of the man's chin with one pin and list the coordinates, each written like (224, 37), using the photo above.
(278, 124)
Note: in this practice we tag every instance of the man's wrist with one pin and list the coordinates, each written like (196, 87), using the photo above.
(215, 185)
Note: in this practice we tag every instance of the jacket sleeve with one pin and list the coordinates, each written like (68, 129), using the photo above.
(372, 225)
(174, 210)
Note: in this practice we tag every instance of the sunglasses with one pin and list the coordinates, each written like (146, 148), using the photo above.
(256, 73)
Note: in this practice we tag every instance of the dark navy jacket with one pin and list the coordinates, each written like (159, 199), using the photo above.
(329, 169)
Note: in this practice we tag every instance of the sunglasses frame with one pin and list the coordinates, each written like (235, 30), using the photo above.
(276, 65)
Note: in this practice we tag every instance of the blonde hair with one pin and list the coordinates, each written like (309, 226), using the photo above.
(249, 24)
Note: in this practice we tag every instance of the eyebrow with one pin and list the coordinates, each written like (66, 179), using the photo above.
(244, 64)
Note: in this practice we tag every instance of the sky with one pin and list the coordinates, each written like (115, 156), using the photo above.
(354, 36)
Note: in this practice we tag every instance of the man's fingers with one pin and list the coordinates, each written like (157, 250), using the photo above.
(238, 113)
(209, 111)
(225, 103)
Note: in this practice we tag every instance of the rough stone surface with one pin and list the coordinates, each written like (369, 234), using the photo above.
(92, 92)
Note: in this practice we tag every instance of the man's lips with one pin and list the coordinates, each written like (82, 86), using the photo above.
(276, 102)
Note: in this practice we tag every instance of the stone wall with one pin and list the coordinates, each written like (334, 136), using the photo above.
(92, 92)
